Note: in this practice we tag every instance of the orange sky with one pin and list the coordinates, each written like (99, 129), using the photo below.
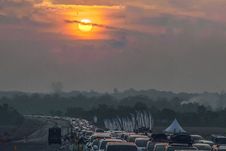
(173, 44)
(126, 15)
(59, 14)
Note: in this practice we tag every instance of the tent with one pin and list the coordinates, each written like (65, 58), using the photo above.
(174, 128)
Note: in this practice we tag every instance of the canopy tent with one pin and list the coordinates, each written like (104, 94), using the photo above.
(174, 128)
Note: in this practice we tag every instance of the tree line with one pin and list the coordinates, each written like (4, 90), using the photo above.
(9, 116)
(44, 104)
(162, 117)
(163, 109)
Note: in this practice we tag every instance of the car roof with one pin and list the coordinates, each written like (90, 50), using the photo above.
(138, 135)
(101, 134)
(111, 139)
(195, 135)
(218, 136)
(201, 144)
(179, 145)
(143, 138)
(156, 144)
(121, 143)
(206, 141)
(222, 147)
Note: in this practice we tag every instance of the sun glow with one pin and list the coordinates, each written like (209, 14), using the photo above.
(80, 21)
(85, 25)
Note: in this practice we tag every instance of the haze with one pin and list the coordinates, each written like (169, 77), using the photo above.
(176, 45)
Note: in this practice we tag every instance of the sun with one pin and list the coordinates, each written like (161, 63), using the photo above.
(85, 25)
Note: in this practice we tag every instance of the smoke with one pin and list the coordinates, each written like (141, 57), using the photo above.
(214, 100)
(131, 122)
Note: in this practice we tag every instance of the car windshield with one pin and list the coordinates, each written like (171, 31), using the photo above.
(160, 148)
(141, 143)
(122, 148)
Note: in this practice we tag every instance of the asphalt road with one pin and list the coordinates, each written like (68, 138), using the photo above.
(38, 140)
(28, 147)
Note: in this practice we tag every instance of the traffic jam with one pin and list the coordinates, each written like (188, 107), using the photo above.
(87, 137)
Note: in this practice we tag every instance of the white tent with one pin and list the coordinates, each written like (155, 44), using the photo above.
(174, 128)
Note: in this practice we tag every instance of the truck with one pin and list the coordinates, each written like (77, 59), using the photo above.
(54, 136)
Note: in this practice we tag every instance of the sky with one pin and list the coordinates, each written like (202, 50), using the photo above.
(175, 45)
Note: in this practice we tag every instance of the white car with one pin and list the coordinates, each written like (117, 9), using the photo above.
(103, 143)
(211, 143)
(196, 138)
(203, 147)
(132, 138)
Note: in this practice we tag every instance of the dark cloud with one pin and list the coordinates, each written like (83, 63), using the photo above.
(94, 24)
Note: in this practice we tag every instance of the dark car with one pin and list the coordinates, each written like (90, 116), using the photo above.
(218, 139)
(219, 143)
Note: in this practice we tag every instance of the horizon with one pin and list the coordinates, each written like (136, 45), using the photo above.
(112, 91)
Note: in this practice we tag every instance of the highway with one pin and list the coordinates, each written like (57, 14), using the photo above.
(38, 140)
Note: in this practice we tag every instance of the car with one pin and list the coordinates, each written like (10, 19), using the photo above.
(121, 146)
(150, 146)
(222, 148)
(219, 139)
(125, 135)
(160, 146)
(219, 143)
(160, 138)
(141, 143)
(54, 135)
(180, 147)
(156, 138)
(196, 138)
(203, 147)
(103, 143)
(93, 145)
(181, 139)
(132, 138)
(211, 143)
(100, 136)
(116, 134)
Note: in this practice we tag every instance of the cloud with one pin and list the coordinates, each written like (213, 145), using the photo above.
(144, 44)
(90, 2)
